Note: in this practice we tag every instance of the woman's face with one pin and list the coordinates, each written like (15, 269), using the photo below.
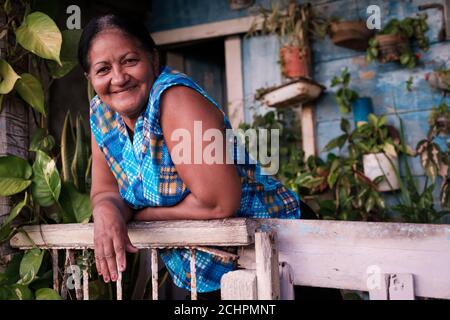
(121, 72)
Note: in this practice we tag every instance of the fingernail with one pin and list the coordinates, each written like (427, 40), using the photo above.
(122, 267)
(106, 279)
(113, 277)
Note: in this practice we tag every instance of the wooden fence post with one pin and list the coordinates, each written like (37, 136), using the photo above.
(239, 285)
(267, 272)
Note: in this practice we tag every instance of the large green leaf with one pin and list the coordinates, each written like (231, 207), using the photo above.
(30, 89)
(20, 292)
(47, 294)
(69, 50)
(41, 140)
(29, 266)
(16, 210)
(77, 206)
(40, 35)
(15, 173)
(46, 185)
(67, 148)
(81, 157)
(8, 77)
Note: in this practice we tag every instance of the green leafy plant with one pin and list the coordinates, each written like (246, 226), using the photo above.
(283, 19)
(439, 119)
(344, 95)
(408, 29)
(38, 40)
(46, 197)
(417, 204)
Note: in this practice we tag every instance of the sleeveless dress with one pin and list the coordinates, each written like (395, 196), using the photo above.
(147, 177)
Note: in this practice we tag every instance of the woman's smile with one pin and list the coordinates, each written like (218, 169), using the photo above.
(121, 73)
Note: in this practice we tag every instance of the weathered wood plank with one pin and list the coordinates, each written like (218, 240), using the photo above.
(154, 266)
(267, 270)
(340, 254)
(378, 286)
(286, 282)
(223, 232)
(239, 285)
(235, 86)
(206, 31)
(401, 287)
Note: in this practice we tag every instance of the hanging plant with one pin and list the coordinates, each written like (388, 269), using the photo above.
(291, 24)
(393, 42)
(350, 34)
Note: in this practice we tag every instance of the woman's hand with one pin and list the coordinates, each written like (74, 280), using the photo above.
(111, 240)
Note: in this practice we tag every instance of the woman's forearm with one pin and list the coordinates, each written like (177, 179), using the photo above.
(188, 209)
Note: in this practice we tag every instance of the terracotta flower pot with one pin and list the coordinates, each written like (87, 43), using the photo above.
(294, 62)
(350, 34)
(391, 47)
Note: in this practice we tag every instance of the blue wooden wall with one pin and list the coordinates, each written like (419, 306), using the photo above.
(384, 83)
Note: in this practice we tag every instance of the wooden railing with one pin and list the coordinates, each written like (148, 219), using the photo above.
(194, 235)
(389, 260)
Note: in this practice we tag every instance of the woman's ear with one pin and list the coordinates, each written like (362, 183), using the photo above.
(87, 76)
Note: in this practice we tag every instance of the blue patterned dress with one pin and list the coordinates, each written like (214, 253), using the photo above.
(147, 177)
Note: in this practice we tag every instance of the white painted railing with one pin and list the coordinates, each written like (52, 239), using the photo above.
(389, 260)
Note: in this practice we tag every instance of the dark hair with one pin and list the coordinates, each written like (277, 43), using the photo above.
(128, 26)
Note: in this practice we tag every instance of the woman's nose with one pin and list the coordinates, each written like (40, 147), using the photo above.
(119, 77)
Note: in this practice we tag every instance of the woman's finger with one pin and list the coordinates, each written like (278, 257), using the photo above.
(97, 257)
(119, 248)
(100, 256)
(110, 257)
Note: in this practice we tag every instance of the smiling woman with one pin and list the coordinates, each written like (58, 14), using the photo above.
(138, 107)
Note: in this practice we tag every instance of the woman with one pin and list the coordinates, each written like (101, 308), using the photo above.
(137, 109)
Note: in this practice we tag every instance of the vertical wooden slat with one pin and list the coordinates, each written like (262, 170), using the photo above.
(267, 273)
(193, 275)
(154, 266)
(286, 282)
(55, 270)
(239, 285)
(401, 287)
(380, 289)
(119, 286)
(85, 276)
(76, 276)
(65, 275)
(307, 110)
(234, 79)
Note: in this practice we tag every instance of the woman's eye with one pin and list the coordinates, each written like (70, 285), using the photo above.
(102, 70)
(131, 61)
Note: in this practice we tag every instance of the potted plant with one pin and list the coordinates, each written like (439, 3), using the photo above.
(439, 119)
(350, 34)
(393, 42)
(291, 27)
(376, 144)
(349, 100)
(375, 141)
